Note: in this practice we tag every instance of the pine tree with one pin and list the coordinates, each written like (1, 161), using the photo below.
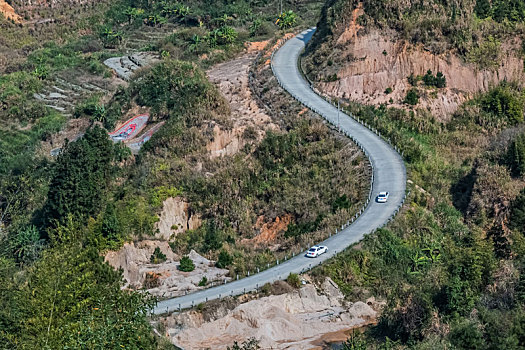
(81, 176)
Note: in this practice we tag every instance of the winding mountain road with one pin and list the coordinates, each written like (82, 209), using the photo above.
(388, 170)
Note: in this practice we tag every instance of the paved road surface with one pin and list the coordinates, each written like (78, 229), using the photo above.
(389, 175)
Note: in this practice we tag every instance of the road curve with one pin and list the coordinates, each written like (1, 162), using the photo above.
(389, 175)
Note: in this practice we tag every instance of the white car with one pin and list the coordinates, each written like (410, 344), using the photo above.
(382, 197)
(316, 250)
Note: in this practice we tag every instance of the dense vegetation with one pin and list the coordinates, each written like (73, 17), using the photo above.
(453, 258)
(57, 216)
(451, 265)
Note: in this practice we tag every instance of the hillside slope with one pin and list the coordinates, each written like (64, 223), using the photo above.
(365, 51)
(444, 81)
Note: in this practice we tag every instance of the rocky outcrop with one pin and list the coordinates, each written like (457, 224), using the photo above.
(295, 320)
(374, 62)
(165, 279)
(125, 66)
(132, 258)
(176, 217)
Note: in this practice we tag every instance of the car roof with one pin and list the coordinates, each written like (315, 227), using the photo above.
(383, 193)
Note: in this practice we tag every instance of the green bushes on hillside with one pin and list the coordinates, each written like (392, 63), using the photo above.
(186, 264)
(70, 298)
(501, 10)
(504, 102)
(178, 89)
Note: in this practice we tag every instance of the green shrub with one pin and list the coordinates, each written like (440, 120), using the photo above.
(213, 237)
(81, 176)
(92, 109)
(331, 77)
(504, 102)
(467, 335)
(294, 280)
(388, 90)
(177, 89)
(486, 55)
(412, 97)
(157, 257)
(287, 19)
(413, 80)
(266, 289)
(224, 260)
(440, 80)
(186, 264)
(203, 282)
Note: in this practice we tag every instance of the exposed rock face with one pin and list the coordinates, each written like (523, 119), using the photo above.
(125, 66)
(132, 257)
(226, 142)
(176, 217)
(293, 320)
(374, 62)
(162, 280)
(8, 12)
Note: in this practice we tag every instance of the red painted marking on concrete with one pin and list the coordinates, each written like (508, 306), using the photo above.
(130, 128)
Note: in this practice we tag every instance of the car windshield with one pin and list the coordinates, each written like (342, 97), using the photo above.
(382, 195)
(313, 249)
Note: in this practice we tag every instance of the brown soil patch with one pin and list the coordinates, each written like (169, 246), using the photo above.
(351, 32)
(303, 111)
(271, 230)
(326, 340)
(256, 46)
(9, 12)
